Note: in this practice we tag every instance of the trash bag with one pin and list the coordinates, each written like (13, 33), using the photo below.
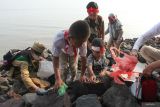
(119, 96)
(13, 103)
(124, 65)
(52, 100)
(90, 100)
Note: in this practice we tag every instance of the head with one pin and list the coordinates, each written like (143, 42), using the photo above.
(37, 50)
(92, 10)
(98, 48)
(79, 33)
(111, 18)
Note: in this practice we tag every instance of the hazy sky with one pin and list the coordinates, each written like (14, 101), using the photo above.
(137, 16)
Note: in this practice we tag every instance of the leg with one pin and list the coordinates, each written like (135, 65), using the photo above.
(110, 42)
(118, 42)
(150, 54)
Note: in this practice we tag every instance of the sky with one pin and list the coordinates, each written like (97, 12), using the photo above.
(137, 16)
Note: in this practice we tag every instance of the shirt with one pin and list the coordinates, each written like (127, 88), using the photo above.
(59, 45)
(154, 31)
(97, 66)
(112, 28)
(96, 26)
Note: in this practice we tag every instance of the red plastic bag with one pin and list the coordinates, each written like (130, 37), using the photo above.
(124, 65)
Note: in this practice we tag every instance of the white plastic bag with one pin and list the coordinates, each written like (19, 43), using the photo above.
(136, 88)
(45, 69)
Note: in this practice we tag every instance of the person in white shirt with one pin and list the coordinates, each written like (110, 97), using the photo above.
(66, 46)
(150, 54)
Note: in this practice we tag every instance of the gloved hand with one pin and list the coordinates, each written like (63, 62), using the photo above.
(41, 91)
(62, 89)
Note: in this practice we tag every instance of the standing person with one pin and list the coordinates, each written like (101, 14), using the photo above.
(65, 50)
(115, 30)
(95, 22)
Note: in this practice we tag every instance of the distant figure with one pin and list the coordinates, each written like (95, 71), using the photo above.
(150, 54)
(65, 50)
(97, 62)
(115, 30)
(94, 20)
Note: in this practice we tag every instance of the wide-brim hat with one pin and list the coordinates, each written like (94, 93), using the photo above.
(38, 48)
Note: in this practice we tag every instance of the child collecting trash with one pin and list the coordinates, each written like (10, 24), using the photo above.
(96, 61)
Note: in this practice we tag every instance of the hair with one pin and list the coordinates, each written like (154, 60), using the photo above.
(92, 36)
(92, 4)
(79, 30)
(97, 42)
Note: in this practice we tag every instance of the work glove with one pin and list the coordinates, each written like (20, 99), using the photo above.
(41, 91)
(62, 89)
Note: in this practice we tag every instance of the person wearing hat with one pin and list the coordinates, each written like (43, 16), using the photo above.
(66, 46)
(97, 62)
(26, 66)
(94, 20)
(115, 30)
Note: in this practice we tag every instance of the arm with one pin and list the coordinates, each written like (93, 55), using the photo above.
(151, 67)
(58, 80)
(83, 65)
(107, 31)
(102, 32)
(154, 31)
(25, 74)
(92, 76)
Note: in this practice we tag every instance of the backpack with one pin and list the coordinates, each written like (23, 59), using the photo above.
(9, 57)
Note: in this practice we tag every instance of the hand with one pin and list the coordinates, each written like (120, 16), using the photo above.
(147, 71)
(92, 78)
(102, 74)
(41, 91)
(83, 78)
(134, 52)
(58, 83)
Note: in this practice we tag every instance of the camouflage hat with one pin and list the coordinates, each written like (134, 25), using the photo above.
(38, 48)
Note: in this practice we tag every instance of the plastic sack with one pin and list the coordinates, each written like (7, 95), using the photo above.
(124, 65)
(45, 69)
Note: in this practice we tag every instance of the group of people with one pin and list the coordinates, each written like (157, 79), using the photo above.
(84, 39)
(87, 37)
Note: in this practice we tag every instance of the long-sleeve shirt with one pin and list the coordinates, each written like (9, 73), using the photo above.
(113, 28)
(154, 31)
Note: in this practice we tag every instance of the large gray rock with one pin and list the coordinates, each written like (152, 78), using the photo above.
(13, 103)
(52, 100)
(119, 96)
(89, 100)
(29, 98)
